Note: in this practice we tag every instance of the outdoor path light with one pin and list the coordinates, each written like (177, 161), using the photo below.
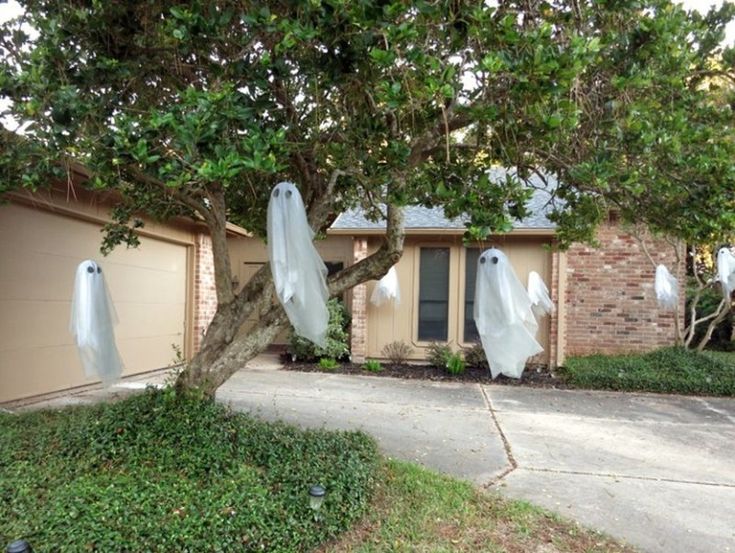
(19, 546)
(316, 497)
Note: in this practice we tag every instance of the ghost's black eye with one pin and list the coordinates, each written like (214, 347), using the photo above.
(495, 260)
(276, 192)
(482, 260)
(99, 270)
(288, 193)
(90, 269)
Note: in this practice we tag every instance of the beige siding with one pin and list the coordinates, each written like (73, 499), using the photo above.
(386, 324)
(39, 253)
(249, 254)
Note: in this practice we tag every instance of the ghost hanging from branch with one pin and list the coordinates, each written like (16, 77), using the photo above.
(667, 288)
(503, 316)
(298, 272)
(726, 271)
(387, 289)
(92, 319)
(541, 303)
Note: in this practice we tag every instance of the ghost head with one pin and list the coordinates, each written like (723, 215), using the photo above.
(726, 271)
(503, 315)
(387, 289)
(298, 272)
(92, 319)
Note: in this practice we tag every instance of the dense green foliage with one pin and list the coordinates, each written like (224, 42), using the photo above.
(437, 354)
(668, 370)
(160, 473)
(373, 365)
(475, 357)
(337, 346)
(455, 364)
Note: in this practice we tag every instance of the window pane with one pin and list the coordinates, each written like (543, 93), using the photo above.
(433, 293)
(470, 274)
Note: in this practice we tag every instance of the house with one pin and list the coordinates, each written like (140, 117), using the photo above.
(165, 297)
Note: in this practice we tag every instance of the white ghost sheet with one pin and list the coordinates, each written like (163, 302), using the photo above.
(503, 316)
(667, 288)
(539, 294)
(726, 271)
(298, 272)
(92, 319)
(387, 289)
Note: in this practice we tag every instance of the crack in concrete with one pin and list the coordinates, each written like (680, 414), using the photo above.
(630, 477)
(506, 444)
(709, 407)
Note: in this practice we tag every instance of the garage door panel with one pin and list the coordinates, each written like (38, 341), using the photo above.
(40, 252)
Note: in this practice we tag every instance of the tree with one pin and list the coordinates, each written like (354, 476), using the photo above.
(197, 109)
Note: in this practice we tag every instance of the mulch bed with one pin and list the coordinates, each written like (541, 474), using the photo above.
(535, 376)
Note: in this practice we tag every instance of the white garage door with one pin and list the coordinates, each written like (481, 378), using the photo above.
(39, 252)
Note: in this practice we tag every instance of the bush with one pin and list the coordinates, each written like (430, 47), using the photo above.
(668, 370)
(373, 366)
(337, 346)
(328, 363)
(438, 354)
(475, 357)
(397, 352)
(158, 472)
(455, 364)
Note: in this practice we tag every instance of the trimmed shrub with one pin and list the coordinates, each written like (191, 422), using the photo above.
(475, 357)
(397, 352)
(337, 346)
(438, 354)
(328, 363)
(158, 472)
(668, 370)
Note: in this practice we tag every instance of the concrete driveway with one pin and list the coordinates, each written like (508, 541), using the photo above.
(655, 471)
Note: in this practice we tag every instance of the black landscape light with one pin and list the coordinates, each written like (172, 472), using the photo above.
(19, 546)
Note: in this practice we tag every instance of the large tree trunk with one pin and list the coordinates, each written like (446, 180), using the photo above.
(223, 351)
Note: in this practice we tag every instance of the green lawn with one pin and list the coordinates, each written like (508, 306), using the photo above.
(158, 473)
(668, 370)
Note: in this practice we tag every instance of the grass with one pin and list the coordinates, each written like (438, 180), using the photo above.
(159, 473)
(668, 370)
(417, 510)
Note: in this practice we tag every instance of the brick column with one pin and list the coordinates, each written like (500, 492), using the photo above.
(358, 334)
(554, 317)
(205, 291)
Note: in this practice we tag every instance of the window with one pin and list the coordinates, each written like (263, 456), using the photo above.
(470, 275)
(433, 294)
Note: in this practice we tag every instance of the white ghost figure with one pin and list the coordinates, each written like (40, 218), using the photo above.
(503, 316)
(92, 319)
(539, 294)
(726, 271)
(667, 288)
(298, 272)
(387, 289)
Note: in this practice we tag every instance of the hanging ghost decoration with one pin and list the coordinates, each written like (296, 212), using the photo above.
(298, 272)
(503, 316)
(92, 319)
(387, 289)
(667, 288)
(541, 303)
(726, 271)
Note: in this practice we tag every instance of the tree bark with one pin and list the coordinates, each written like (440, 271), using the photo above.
(223, 352)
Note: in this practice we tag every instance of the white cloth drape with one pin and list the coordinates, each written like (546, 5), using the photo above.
(726, 271)
(298, 272)
(503, 316)
(387, 289)
(539, 294)
(667, 288)
(92, 319)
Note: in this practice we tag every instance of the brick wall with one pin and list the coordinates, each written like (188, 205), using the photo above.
(205, 292)
(358, 333)
(610, 299)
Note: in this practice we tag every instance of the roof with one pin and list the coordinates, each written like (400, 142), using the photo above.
(419, 218)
